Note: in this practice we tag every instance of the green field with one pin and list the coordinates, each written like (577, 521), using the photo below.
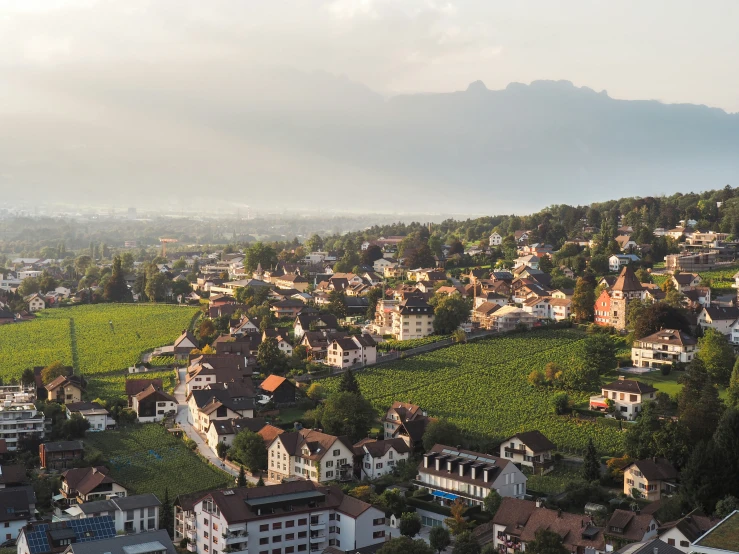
(554, 482)
(146, 458)
(113, 385)
(663, 383)
(720, 280)
(482, 387)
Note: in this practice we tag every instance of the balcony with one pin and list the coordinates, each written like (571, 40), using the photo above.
(521, 451)
(317, 526)
(192, 547)
(316, 539)
(191, 535)
(236, 549)
(238, 537)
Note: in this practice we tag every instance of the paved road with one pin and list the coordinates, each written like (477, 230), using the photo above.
(182, 420)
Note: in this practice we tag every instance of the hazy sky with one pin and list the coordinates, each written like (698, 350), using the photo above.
(671, 50)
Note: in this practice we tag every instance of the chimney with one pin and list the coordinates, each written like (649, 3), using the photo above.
(539, 502)
(559, 512)
(656, 550)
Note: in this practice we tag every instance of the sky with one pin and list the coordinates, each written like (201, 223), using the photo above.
(122, 98)
(670, 50)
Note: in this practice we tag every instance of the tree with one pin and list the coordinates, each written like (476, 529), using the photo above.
(701, 479)
(492, 502)
(363, 493)
(166, 519)
(269, 355)
(28, 378)
(660, 316)
(725, 506)
(260, 482)
(699, 406)
(439, 539)
(450, 311)
(726, 439)
(316, 392)
(734, 385)
(560, 403)
(259, 254)
(457, 523)
(546, 542)
(346, 413)
(440, 432)
(404, 545)
(466, 543)
(337, 303)
(349, 383)
(241, 479)
(410, 524)
(591, 463)
(639, 439)
(28, 286)
(249, 449)
(600, 353)
(392, 501)
(222, 449)
(314, 243)
(373, 297)
(717, 355)
(545, 264)
(371, 255)
(52, 371)
(116, 289)
(583, 300)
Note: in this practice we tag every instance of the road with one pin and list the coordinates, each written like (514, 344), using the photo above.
(182, 420)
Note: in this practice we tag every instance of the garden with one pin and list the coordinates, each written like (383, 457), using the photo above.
(147, 458)
(482, 387)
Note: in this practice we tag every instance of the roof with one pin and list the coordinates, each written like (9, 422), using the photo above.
(81, 530)
(136, 501)
(135, 386)
(535, 440)
(15, 503)
(186, 335)
(684, 279)
(414, 305)
(139, 543)
(154, 393)
(224, 395)
(61, 381)
(656, 469)
(235, 425)
(672, 337)
(273, 382)
(487, 308)
(633, 525)
(717, 313)
(63, 446)
(652, 546)
(328, 321)
(627, 281)
(630, 386)
(479, 460)
(87, 408)
(725, 535)
(692, 526)
(11, 474)
(378, 448)
(86, 479)
(316, 442)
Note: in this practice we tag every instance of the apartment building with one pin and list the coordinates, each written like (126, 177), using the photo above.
(19, 420)
(290, 518)
(349, 351)
(665, 347)
(413, 318)
(310, 455)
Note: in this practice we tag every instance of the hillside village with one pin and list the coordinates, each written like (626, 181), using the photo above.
(270, 391)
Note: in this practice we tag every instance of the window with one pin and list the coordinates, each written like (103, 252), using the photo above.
(337, 452)
(289, 550)
(378, 466)
(264, 540)
(330, 464)
(277, 551)
(329, 474)
(338, 517)
(302, 534)
(277, 525)
(378, 534)
(378, 521)
(290, 537)
(303, 521)
(290, 523)
(150, 523)
(277, 538)
(684, 543)
(302, 547)
(632, 398)
(264, 527)
(671, 542)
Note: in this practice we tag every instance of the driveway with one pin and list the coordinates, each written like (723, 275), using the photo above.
(182, 420)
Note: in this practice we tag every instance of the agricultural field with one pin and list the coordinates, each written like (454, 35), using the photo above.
(482, 388)
(554, 482)
(402, 345)
(96, 339)
(113, 385)
(146, 458)
(663, 383)
(720, 279)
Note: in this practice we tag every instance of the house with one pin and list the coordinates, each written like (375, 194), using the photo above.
(12, 476)
(21, 419)
(617, 261)
(449, 473)
(719, 318)
(219, 401)
(379, 457)
(184, 344)
(56, 537)
(686, 281)
(61, 454)
(64, 390)
(610, 310)
(481, 314)
(531, 449)
(281, 336)
(287, 308)
(509, 317)
(516, 522)
(280, 390)
(653, 478)
(625, 243)
(135, 386)
(137, 513)
(310, 455)
(153, 404)
(412, 318)
(625, 395)
(625, 526)
(297, 517)
(17, 509)
(394, 272)
(527, 261)
(88, 483)
(649, 547)
(99, 418)
(495, 239)
(521, 236)
(380, 265)
(665, 347)
(352, 350)
(314, 322)
(150, 542)
(723, 538)
(245, 326)
(217, 369)
(561, 308)
(538, 307)
(291, 281)
(400, 413)
(684, 532)
(36, 303)
(691, 261)
(225, 430)
(317, 342)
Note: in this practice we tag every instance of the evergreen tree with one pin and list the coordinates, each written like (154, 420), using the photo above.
(116, 289)
(349, 383)
(640, 435)
(241, 480)
(583, 300)
(260, 483)
(439, 538)
(734, 385)
(166, 520)
(591, 464)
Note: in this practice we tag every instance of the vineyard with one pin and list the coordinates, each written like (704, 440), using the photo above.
(720, 279)
(482, 388)
(147, 458)
(402, 345)
(97, 339)
(113, 385)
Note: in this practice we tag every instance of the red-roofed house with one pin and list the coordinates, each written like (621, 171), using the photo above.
(280, 390)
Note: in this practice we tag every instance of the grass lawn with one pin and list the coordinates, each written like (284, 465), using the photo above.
(290, 415)
(554, 482)
(146, 458)
(663, 383)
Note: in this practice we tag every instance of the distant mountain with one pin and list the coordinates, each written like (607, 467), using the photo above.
(281, 138)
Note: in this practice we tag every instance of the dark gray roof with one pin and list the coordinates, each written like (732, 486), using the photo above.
(63, 446)
(146, 500)
(140, 543)
(653, 546)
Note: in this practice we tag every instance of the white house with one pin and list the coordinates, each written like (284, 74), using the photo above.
(153, 404)
(626, 395)
(617, 261)
(352, 350)
(379, 458)
(495, 239)
(664, 347)
(449, 473)
(99, 418)
(722, 538)
(718, 318)
(531, 449)
(380, 265)
(36, 303)
(18, 505)
(290, 518)
(137, 513)
(530, 260)
(311, 455)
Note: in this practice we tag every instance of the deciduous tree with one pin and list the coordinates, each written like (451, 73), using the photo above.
(717, 355)
(249, 449)
(346, 413)
(410, 524)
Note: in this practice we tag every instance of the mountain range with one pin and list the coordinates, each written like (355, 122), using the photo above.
(282, 138)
